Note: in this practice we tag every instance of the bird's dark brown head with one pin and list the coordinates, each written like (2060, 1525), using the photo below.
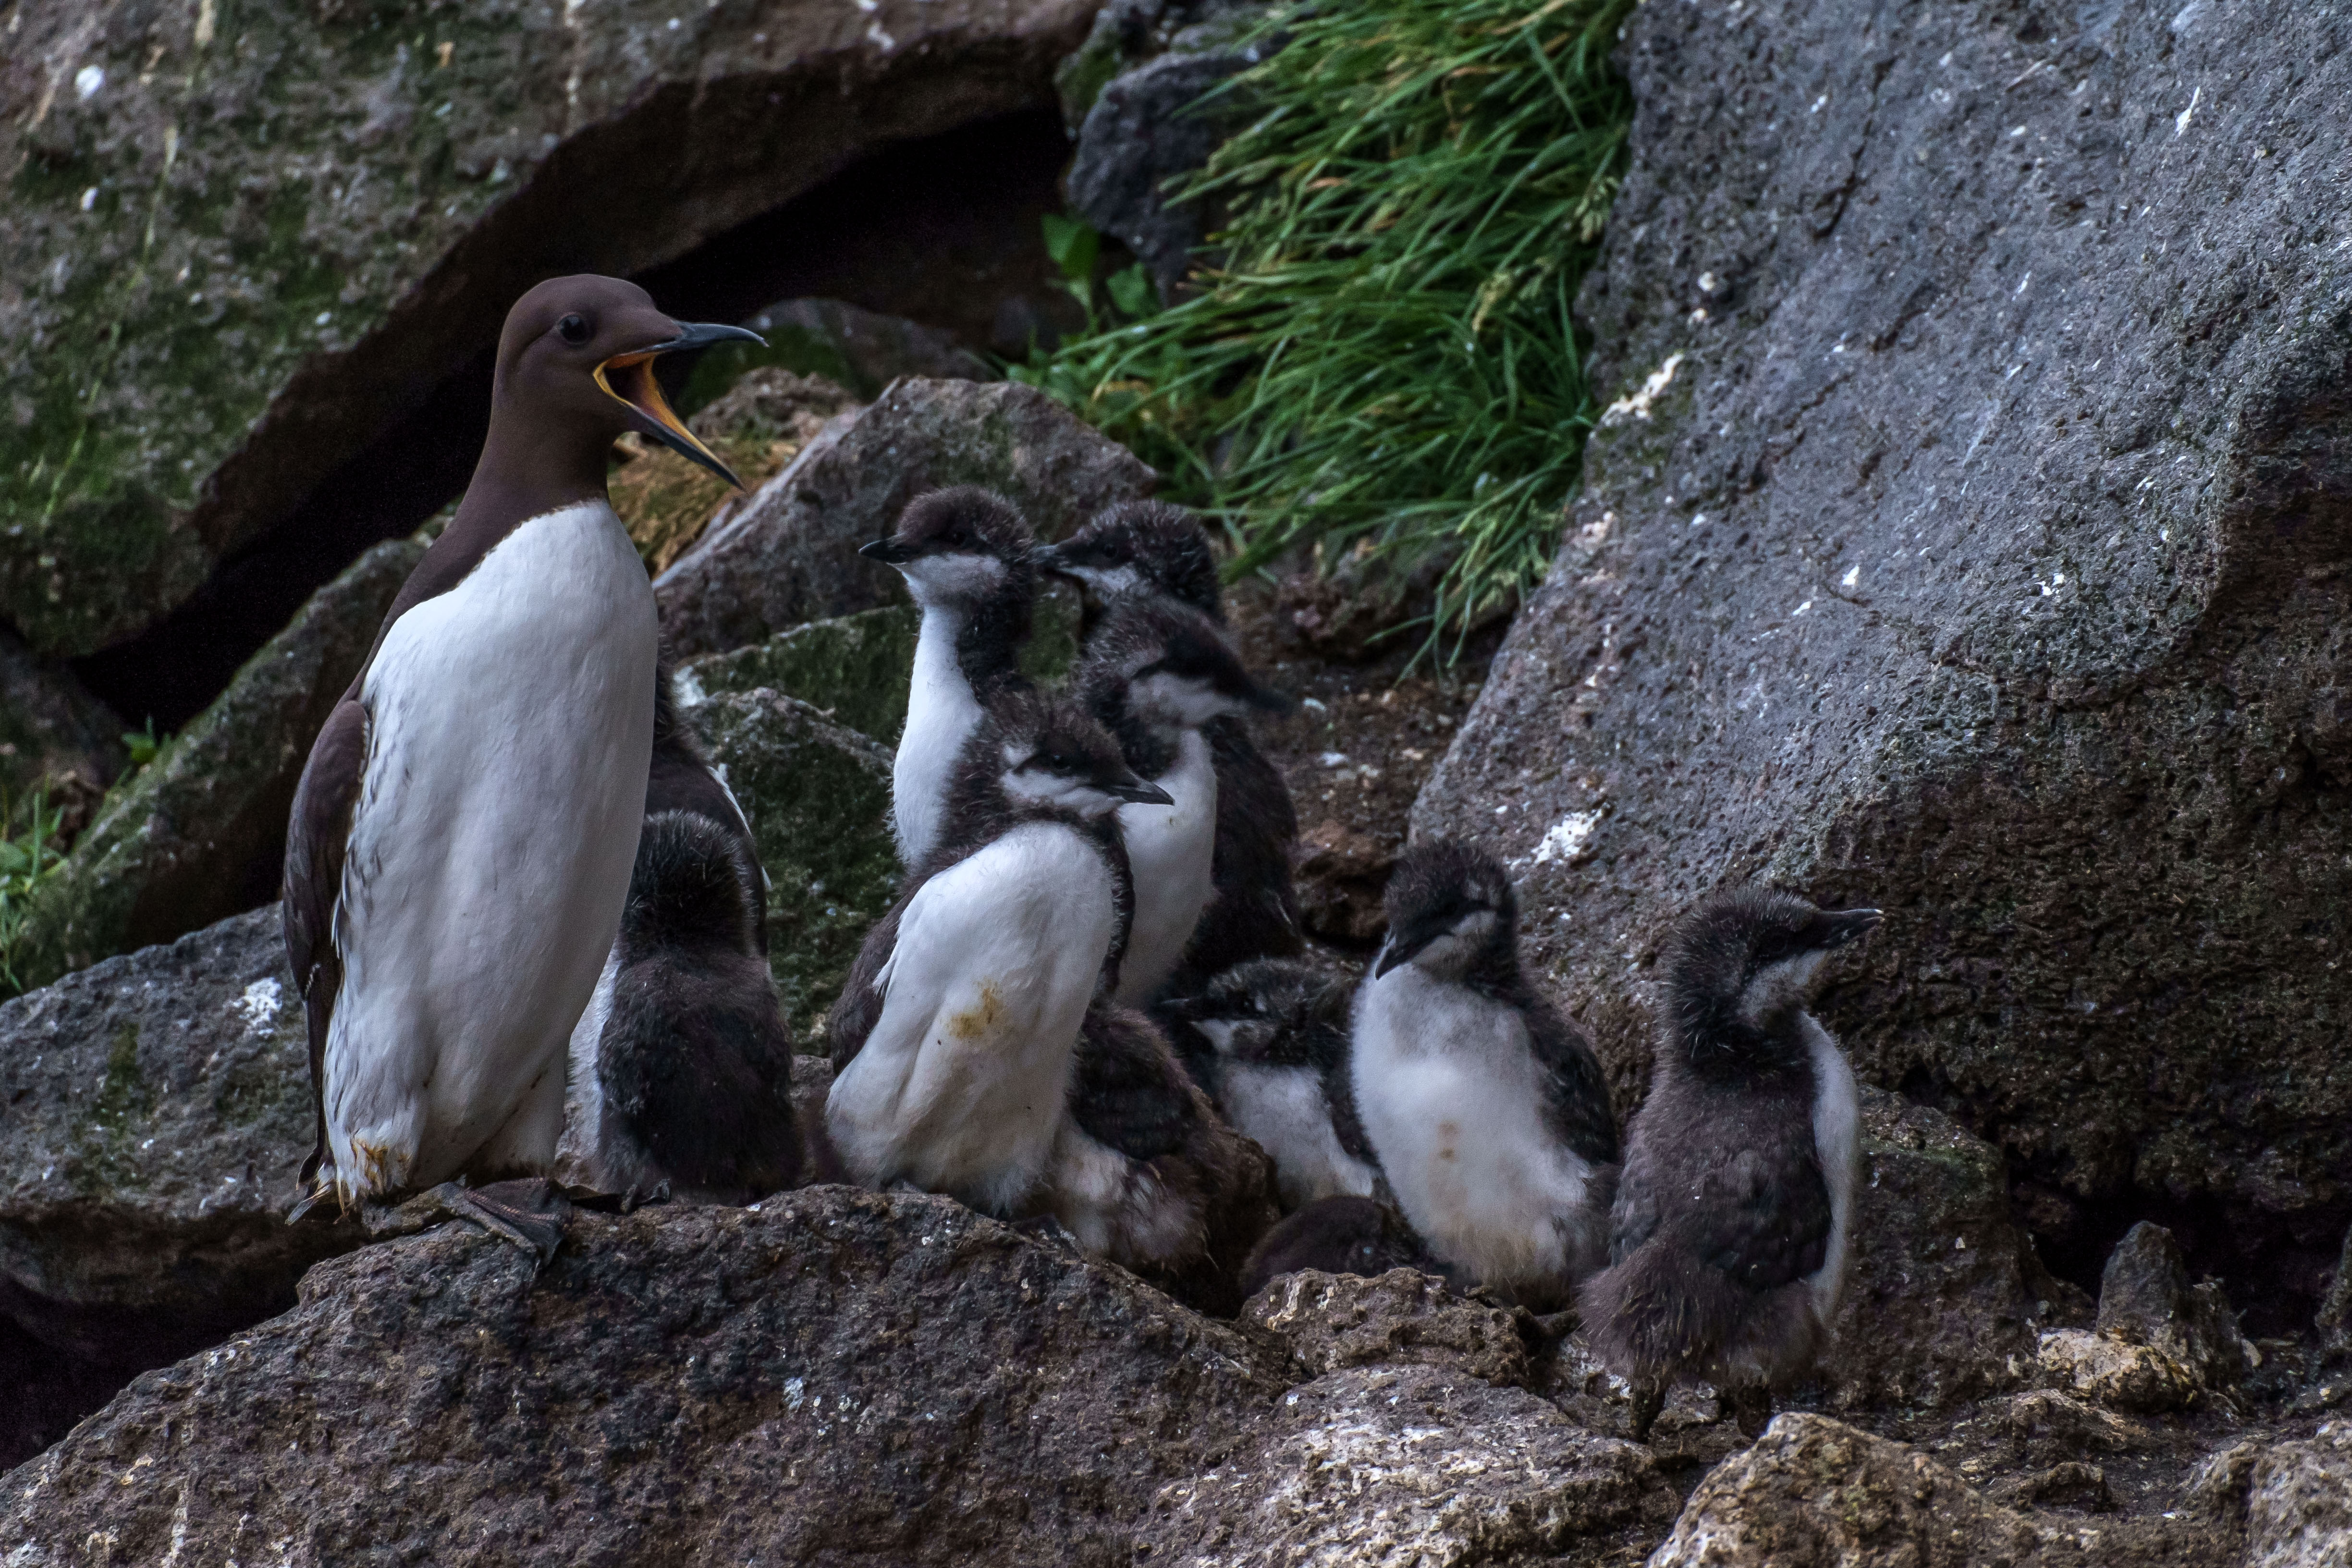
(1145, 547)
(1273, 1011)
(1449, 904)
(1040, 752)
(575, 370)
(1743, 964)
(1166, 665)
(961, 546)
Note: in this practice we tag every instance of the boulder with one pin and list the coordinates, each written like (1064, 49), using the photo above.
(56, 740)
(2144, 1297)
(2299, 1502)
(790, 553)
(2334, 1317)
(159, 1111)
(1968, 537)
(837, 1373)
(2116, 1373)
(1946, 1299)
(818, 799)
(1147, 127)
(756, 426)
(1813, 1491)
(1409, 1465)
(863, 351)
(200, 833)
(1332, 1321)
(244, 243)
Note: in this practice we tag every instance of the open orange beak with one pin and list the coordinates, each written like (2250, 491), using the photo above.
(630, 378)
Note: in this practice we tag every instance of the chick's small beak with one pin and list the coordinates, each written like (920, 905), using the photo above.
(1136, 791)
(1847, 926)
(888, 551)
(630, 378)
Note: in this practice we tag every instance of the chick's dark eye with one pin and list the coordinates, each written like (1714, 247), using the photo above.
(572, 329)
(959, 535)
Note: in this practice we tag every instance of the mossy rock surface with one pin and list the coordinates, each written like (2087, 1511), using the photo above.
(200, 833)
(818, 798)
(245, 239)
(863, 351)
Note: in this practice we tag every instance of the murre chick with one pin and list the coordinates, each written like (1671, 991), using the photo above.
(681, 1063)
(1727, 1244)
(1340, 1235)
(1155, 551)
(953, 1040)
(966, 557)
(1156, 674)
(462, 836)
(1485, 1106)
(1278, 1032)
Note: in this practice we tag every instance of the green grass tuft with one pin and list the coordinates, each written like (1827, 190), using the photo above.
(1384, 361)
(29, 857)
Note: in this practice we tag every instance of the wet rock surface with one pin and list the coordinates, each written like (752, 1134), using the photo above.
(818, 798)
(200, 833)
(158, 1109)
(789, 554)
(1967, 538)
(162, 226)
(838, 1373)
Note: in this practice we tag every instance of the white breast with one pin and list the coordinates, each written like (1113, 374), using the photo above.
(1170, 855)
(510, 728)
(578, 1154)
(1285, 1111)
(962, 1083)
(1837, 1140)
(941, 714)
(1452, 1101)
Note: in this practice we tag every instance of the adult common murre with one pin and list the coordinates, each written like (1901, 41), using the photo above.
(1485, 1106)
(681, 1065)
(953, 1040)
(1156, 674)
(1153, 550)
(967, 558)
(1727, 1244)
(461, 839)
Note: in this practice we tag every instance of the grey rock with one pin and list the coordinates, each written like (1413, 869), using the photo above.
(790, 553)
(1946, 1299)
(1958, 541)
(818, 799)
(862, 350)
(1146, 128)
(200, 833)
(1409, 1465)
(1331, 1321)
(1813, 1491)
(2106, 1369)
(840, 1375)
(55, 739)
(349, 208)
(2144, 1297)
(2299, 1502)
(159, 1110)
(2335, 1319)
(1128, 33)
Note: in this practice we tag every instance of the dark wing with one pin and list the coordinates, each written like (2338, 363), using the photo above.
(1576, 1092)
(1639, 1206)
(1763, 1215)
(317, 834)
(859, 1007)
(1127, 1091)
(1347, 1122)
(681, 779)
(1255, 913)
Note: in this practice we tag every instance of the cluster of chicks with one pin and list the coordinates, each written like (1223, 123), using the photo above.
(1087, 1010)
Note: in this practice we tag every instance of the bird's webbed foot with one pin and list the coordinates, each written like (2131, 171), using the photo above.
(530, 1212)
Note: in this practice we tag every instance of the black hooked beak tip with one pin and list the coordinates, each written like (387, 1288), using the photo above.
(1047, 557)
(1266, 699)
(1401, 946)
(1138, 792)
(630, 378)
(1846, 926)
(888, 551)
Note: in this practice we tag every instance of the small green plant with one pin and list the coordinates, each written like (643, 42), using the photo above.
(143, 744)
(1384, 360)
(29, 856)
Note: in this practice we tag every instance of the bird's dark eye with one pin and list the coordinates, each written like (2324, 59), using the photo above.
(572, 329)
(959, 536)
